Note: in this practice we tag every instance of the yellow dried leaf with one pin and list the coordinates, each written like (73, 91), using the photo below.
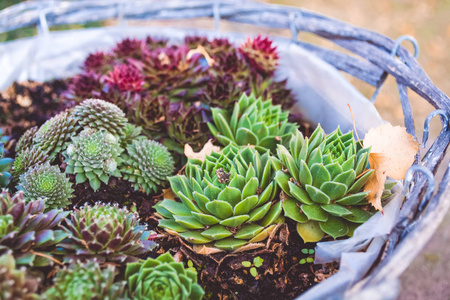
(393, 151)
(169, 194)
(204, 250)
(249, 247)
(397, 146)
(201, 50)
(207, 149)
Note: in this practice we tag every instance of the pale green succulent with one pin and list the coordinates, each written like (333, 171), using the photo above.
(147, 164)
(26, 140)
(94, 156)
(83, 281)
(43, 181)
(162, 279)
(53, 137)
(26, 159)
(99, 114)
(252, 122)
(324, 177)
(229, 200)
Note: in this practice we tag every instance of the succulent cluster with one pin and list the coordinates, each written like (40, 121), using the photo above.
(105, 233)
(26, 159)
(169, 90)
(162, 278)
(253, 122)
(230, 200)
(323, 178)
(15, 283)
(26, 230)
(85, 281)
(46, 182)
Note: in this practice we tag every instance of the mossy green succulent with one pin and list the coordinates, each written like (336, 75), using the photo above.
(83, 281)
(26, 159)
(323, 177)
(43, 181)
(162, 279)
(99, 114)
(228, 200)
(252, 122)
(147, 164)
(94, 156)
(53, 137)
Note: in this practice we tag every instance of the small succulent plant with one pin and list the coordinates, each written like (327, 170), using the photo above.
(162, 278)
(82, 281)
(99, 114)
(260, 54)
(15, 283)
(26, 159)
(5, 168)
(27, 231)
(147, 164)
(324, 180)
(26, 140)
(253, 122)
(129, 48)
(127, 78)
(105, 233)
(94, 156)
(54, 135)
(229, 200)
(97, 62)
(150, 113)
(85, 85)
(43, 181)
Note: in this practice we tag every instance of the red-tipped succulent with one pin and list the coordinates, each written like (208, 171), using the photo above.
(85, 85)
(129, 48)
(260, 54)
(98, 62)
(127, 78)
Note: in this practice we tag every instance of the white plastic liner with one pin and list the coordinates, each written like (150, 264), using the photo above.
(322, 94)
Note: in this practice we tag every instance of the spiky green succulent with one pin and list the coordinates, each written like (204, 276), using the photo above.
(162, 279)
(26, 140)
(324, 177)
(147, 164)
(15, 283)
(253, 122)
(107, 233)
(130, 133)
(43, 181)
(230, 200)
(26, 159)
(5, 168)
(99, 114)
(27, 231)
(54, 135)
(82, 281)
(94, 156)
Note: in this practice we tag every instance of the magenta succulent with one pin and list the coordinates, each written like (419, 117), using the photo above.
(129, 48)
(127, 78)
(97, 62)
(85, 85)
(260, 54)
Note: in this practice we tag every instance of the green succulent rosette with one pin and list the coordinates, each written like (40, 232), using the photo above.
(26, 159)
(162, 279)
(98, 114)
(53, 136)
(94, 156)
(47, 182)
(25, 229)
(15, 283)
(228, 200)
(5, 168)
(106, 233)
(252, 122)
(324, 177)
(147, 164)
(83, 281)
(26, 140)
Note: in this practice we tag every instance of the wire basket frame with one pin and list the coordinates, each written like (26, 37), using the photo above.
(379, 56)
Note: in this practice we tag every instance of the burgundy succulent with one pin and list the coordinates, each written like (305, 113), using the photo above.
(223, 91)
(187, 124)
(127, 78)
(153, 43)
(129, 48)
(97, 62)
(260, 54)
(150, 113)
(85, 85)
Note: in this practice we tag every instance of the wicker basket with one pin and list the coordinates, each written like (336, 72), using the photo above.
(379, 56)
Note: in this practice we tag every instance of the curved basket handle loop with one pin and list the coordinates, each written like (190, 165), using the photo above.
(431, 184)
(426, 126)
(394, 50)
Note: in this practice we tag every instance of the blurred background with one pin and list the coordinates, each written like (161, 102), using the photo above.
(429, 23)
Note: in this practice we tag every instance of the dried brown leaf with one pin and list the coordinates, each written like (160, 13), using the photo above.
(169, 194)
(204, 250)
(207, 149)
(249, 247)
(375, 184)
(201, 50)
